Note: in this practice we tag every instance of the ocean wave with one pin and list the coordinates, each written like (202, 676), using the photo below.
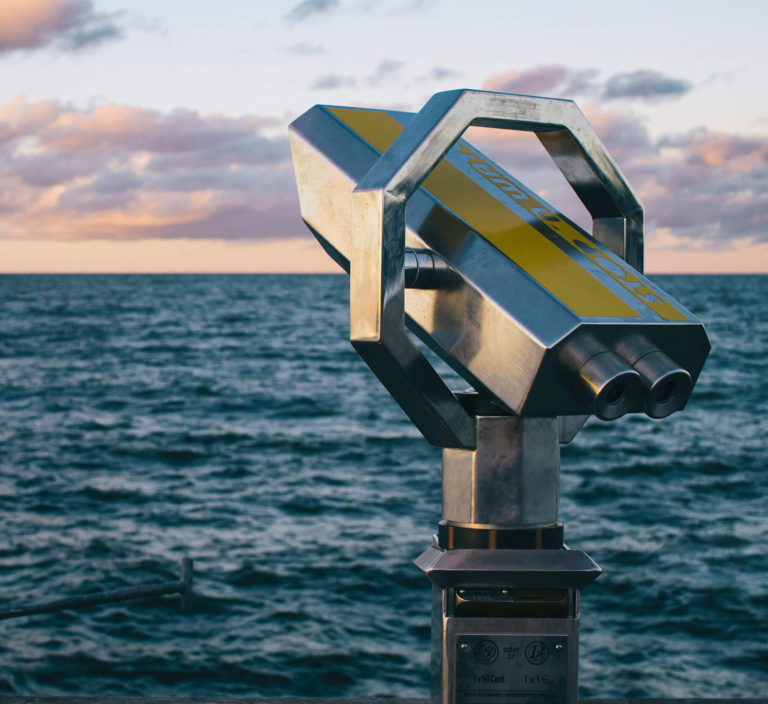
(144, 418)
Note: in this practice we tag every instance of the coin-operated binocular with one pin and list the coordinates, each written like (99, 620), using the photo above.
(547, 323)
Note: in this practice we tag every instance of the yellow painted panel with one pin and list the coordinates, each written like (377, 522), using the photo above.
(533, 252)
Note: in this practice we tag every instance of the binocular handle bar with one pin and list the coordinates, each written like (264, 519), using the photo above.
(378, 275)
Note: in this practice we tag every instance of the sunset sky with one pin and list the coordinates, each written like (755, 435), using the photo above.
(152, 136)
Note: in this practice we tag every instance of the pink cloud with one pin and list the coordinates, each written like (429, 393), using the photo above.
(553, 80)
(123, 172)
(623, 132)
(133, 128)
(19, 118)
(732, 152)
(69, 24)
(558, 81)
(702, 186)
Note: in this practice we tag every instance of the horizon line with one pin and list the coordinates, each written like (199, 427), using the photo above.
(315, 273)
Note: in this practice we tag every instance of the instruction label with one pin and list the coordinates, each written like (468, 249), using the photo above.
(511, 669)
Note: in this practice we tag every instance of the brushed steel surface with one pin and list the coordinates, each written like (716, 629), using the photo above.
(526, 568)
(510, 479)
(449, 630)
(667, 386)
(485, 315)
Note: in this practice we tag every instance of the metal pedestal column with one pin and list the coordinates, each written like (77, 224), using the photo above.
(506, 591)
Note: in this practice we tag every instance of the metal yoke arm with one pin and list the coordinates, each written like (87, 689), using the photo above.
(377, 281)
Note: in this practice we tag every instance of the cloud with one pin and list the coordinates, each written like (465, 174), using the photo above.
(624, 133)
(112, 125)
(440, 73)
(396, 9)
(69, 25)
(306, 49)
(699, 187)
(331, 81)
(645, 84)
(552, 80)
(385, 70)
(309, 8)
(417, 5)
(709, 186)
(702, 186)
(92, 34)
(49, 168)
(240, 222)
(122, 172)
(560, 81)
(18, 118)
(734, 152)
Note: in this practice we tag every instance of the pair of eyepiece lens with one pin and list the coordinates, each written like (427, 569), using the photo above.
(652, 383)
(613, 386)
(666, 385)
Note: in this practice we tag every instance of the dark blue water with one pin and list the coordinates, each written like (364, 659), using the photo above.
(143, 418)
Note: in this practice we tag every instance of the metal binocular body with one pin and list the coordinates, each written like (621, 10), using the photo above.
(546, 323)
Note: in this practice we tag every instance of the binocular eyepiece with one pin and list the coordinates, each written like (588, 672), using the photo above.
(633, 378)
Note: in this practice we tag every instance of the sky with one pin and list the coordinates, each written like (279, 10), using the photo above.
(152, 136)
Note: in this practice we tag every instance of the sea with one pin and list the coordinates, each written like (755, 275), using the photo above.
(144, 418)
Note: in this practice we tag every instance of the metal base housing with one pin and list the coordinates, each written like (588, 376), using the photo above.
(502, 660)
(509, 633)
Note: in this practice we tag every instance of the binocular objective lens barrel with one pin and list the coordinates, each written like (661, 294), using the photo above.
(636, 377)
(666, 385)
(613, 387)
(605, 382)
